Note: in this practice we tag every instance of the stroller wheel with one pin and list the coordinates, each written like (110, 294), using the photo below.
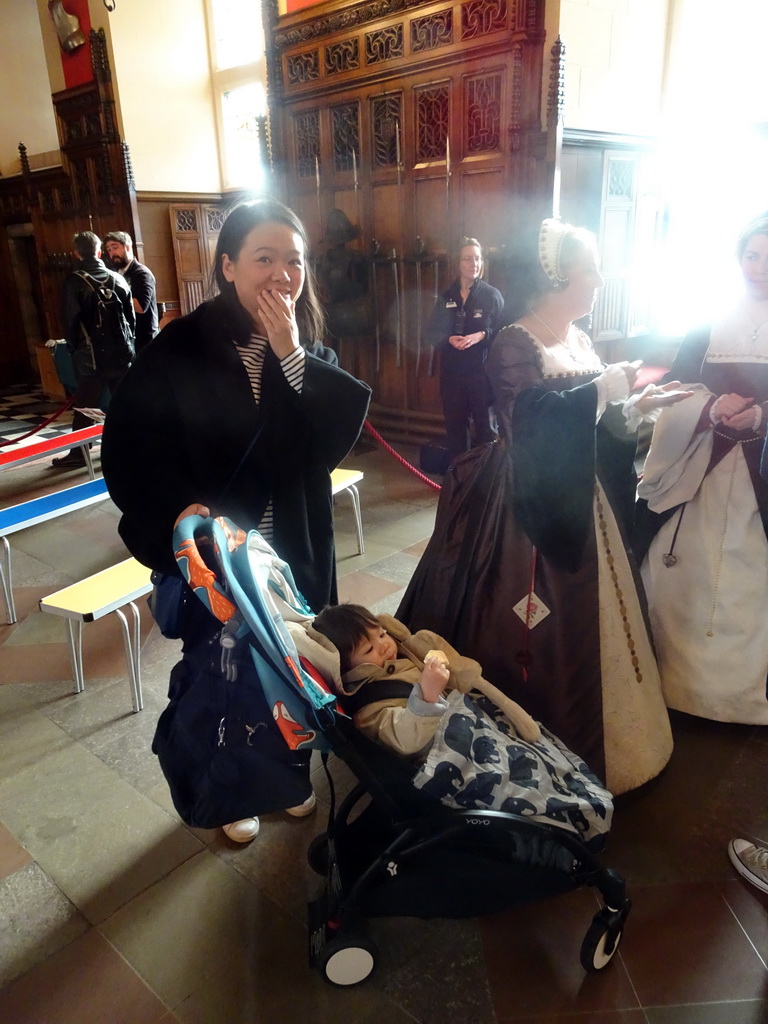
(347, 960)
(603, 938)
(317, 854)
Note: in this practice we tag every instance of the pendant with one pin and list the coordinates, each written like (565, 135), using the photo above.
(669, 560)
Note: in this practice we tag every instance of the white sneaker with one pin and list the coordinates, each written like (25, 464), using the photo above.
(303, 809)
(750, 861)
(242, 831)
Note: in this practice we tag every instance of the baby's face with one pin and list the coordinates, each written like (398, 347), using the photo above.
(376, 648)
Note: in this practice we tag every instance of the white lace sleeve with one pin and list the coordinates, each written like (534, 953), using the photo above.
(612, 386)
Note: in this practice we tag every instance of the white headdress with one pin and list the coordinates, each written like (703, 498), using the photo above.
(551, 235)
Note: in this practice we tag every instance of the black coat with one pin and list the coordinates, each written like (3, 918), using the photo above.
(182, 420)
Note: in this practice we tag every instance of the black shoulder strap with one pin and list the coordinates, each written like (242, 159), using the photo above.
(87, 278)
(96, 286)
(370, 693)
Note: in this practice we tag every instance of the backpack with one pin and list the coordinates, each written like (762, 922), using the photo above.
(111, 337)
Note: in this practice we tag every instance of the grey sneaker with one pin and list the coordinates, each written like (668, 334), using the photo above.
(750, 861)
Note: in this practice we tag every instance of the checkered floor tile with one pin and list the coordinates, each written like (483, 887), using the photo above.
(23, 409)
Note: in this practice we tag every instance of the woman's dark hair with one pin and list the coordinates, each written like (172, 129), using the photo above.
(527, 280)
(346, 626)
(758, 226)
(465, 241)
(241, 220)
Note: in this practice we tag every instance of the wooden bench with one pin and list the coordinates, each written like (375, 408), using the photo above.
(347, 480)
(40, 510)
(101, 594)
(10, 458)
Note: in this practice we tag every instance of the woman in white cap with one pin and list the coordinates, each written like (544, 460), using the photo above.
(528, 569)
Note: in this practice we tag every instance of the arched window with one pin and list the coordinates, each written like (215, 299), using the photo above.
(238, 76)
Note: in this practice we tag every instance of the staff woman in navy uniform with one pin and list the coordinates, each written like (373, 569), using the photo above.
(463, 324)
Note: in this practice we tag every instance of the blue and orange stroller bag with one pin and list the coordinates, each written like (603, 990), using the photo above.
(243, 714)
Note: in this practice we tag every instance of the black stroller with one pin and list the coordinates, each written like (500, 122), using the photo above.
(403, 854)
(388, 842)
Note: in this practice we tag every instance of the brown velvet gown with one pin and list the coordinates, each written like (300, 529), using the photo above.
(541, 516)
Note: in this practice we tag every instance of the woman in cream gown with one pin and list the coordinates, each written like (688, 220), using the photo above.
(706, 568)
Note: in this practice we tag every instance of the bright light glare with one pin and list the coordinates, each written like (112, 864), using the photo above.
(713, 157)
(240, 108)
(238, 31)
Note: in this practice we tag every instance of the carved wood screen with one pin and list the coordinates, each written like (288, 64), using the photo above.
(422, 123)
(195, 229)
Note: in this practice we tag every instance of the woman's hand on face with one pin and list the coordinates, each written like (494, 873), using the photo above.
(728, 406)
(656, 396)
(278, 315)
(434, 680)
(193, 510)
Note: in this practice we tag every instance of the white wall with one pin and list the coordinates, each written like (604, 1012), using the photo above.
(614, 53)
(159, 55)
(163, 90)
(26, 111)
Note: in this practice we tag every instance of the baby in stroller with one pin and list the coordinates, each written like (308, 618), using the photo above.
(472, 746)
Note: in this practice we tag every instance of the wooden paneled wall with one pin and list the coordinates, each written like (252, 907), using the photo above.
(422, 121)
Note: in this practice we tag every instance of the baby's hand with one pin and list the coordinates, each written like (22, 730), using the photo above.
(434, 680)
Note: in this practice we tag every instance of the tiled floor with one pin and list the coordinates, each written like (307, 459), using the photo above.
(112, 911)
(22, 409)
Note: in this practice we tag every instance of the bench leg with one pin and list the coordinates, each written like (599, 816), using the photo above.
(89, 461)
(7, 580)
(358, 518)
(133, 654)
(75, 632)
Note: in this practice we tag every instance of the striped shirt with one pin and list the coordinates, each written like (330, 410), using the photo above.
(253, 355)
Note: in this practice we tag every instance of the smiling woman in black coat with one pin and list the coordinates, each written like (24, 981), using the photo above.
(237, 411)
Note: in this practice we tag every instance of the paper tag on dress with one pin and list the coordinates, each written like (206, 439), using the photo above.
(534, 607)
